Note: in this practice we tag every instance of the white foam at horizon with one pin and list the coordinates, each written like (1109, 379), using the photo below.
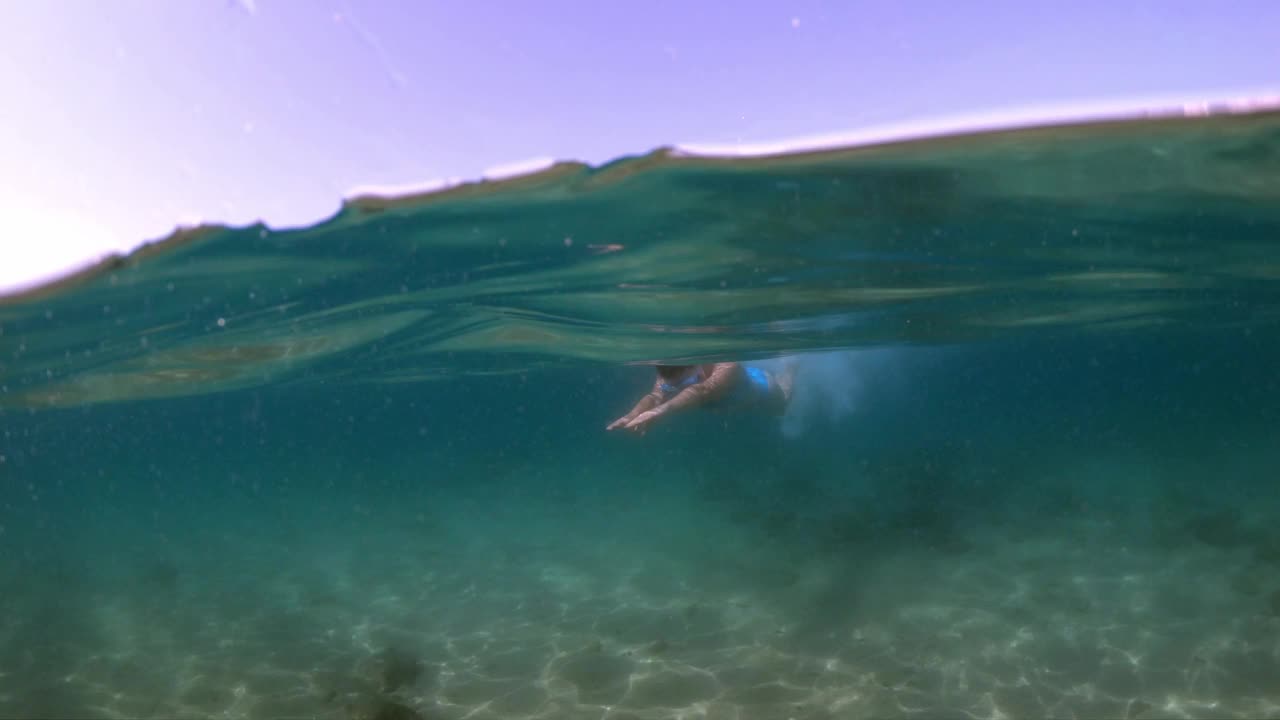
(1006, 119)
(401, 189)
(509, 171)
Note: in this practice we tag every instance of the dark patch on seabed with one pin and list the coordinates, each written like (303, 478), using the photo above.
(1071, 523)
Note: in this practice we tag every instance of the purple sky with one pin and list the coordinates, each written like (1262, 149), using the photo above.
(124, 118)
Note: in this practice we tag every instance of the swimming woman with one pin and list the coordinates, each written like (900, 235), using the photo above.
(721, 386)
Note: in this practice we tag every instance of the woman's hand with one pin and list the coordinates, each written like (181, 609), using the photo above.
(642, 421)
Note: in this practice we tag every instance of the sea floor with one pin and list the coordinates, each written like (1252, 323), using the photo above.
(627, 603)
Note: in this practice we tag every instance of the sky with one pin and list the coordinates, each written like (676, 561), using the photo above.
(124, 119)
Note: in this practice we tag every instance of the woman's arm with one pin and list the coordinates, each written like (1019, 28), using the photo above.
(715, 386)
(646, 403)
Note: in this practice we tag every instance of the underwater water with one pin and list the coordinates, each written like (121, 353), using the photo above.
(360, 470)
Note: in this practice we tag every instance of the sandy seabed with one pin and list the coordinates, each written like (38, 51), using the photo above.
(667, 609)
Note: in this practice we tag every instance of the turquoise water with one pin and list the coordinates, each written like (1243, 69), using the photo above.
(359, 470)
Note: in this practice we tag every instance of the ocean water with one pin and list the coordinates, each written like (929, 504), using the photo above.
(360, 469)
